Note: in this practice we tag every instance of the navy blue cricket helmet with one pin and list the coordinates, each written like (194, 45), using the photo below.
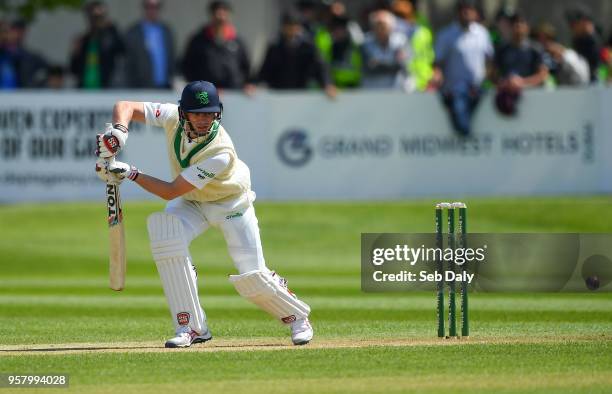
(200, 97)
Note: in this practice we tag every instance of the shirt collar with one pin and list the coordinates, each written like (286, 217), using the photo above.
(471, 27)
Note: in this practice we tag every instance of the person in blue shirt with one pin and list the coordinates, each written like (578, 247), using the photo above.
(463, 54)
(19, 67)
(150, 50)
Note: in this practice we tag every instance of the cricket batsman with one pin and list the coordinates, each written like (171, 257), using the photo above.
(211, 188)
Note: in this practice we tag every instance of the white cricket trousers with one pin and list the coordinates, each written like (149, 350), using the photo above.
(237, 221)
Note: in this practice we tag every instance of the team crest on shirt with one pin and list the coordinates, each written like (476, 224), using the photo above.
(182, 318)
(157, 113)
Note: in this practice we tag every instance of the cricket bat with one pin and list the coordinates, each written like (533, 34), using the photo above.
(117, 238)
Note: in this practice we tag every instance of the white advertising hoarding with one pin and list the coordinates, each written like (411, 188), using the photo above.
(389, 146)
(363, 145)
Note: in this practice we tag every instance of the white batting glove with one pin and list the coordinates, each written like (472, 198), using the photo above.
(111, 141)
(121, 170)
(103, 174)
(114, 172)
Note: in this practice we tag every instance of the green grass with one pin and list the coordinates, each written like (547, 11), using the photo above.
(395, 369)
(53, 290)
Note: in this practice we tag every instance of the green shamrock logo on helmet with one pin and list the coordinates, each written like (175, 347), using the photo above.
(202, 97)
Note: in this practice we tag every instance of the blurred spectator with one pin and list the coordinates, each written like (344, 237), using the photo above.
(309, 16)
(501, 33)
(149, 50)
(463, 50)
(519, 62)
(420, 42)
(215, 53)
(293, 62)
(338, 41)
(584, 37)
(337, 9)
(606, 58)
(55, 77)
(19, 67)
(95, 54)
(566, 66)
(384, 53)
(518, 65)
(342, 54)
(370, 7)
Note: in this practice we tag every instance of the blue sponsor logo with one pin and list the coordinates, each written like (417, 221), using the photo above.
(293, 148)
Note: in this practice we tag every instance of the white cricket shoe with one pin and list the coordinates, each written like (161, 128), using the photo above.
(186, 337)
(301, 332)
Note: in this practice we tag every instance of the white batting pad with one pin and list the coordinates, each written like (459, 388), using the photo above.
(268, 291)
(177, 273)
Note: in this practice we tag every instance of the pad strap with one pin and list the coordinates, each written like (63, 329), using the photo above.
(269, 291)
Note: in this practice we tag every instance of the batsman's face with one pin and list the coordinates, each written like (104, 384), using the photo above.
(200, 123)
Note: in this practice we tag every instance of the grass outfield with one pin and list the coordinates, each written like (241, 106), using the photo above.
(57, 314)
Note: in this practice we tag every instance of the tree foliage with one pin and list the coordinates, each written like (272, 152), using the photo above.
(28, 9)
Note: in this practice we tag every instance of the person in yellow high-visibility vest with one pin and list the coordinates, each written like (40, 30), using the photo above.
(420, 39)
(340, 51)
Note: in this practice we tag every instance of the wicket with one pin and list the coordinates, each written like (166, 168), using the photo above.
(452, 244)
